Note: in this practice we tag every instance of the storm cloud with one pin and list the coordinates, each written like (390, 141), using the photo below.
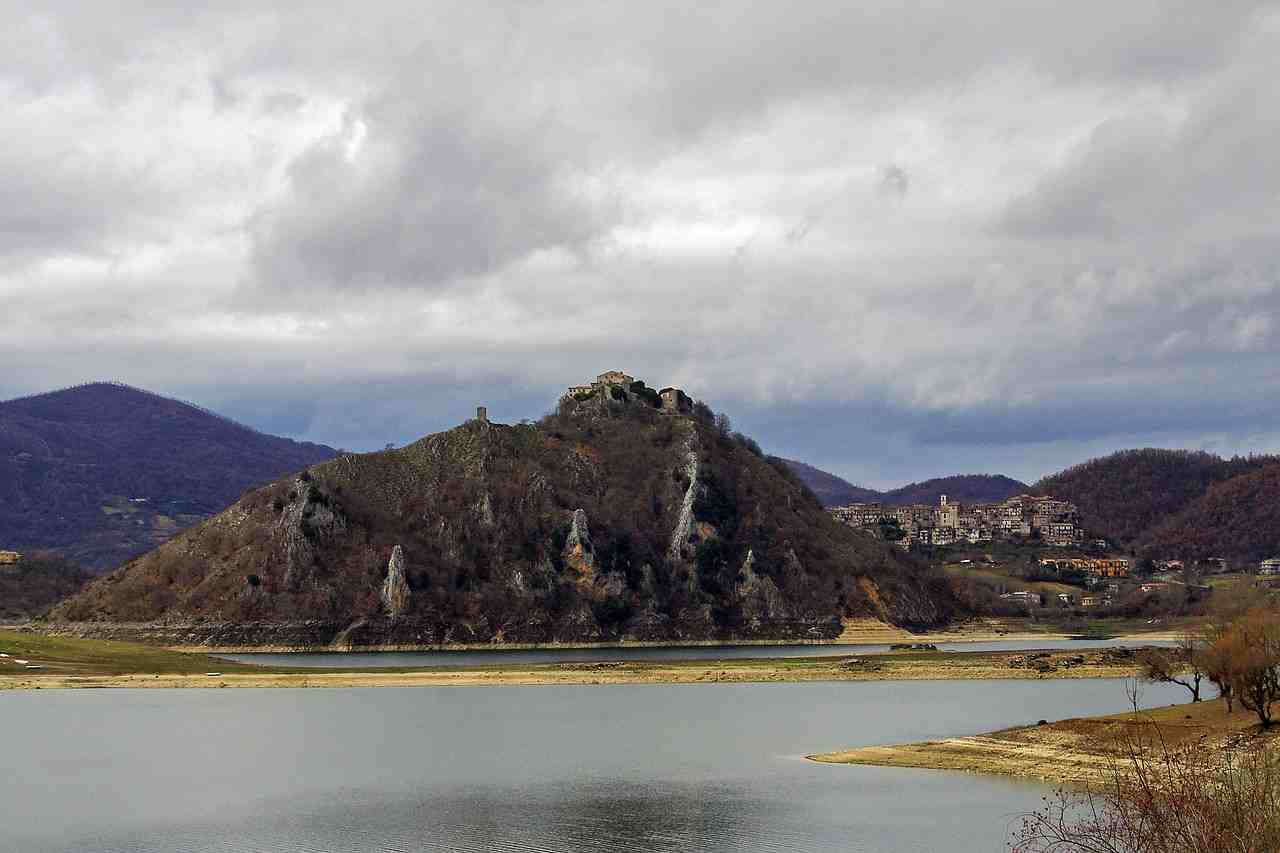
(898, 240)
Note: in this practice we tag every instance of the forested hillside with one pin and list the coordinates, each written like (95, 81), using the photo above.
(103, 472)
(1238, 519)
(1127, 494)
(36, 583)
(965, 488)
(962, 488)
(830, 489)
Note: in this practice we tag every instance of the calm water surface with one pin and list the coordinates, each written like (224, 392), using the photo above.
(549, 769)
(374, 660)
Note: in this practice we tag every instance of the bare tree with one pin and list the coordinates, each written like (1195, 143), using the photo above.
(1133, 692)
(1217, 659)
(1182, 667)
(1253, 647)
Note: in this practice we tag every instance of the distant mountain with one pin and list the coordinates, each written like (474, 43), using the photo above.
(965, 488)
(962, 488)
(104, 472)
(37, 582)
(621, 516)
(830, 489)
(1238, 519)
(1127, 494)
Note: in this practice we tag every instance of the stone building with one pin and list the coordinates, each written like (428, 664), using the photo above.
(675, 401)
(614, 377)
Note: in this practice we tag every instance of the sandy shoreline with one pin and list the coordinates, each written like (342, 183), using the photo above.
(885, 667)
(1084, 751)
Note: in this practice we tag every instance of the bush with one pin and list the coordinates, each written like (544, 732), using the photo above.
(1162, 800)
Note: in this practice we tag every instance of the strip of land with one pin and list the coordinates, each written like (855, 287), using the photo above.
(65, 662)
(1082, 751)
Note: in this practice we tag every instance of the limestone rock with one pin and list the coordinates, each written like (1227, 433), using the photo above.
(760, 597)
(307, 521)
(395, 590)
(579, 554)
(685, 521)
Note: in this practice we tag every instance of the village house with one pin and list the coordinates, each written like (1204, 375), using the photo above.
(10, 558)
(1269, 567)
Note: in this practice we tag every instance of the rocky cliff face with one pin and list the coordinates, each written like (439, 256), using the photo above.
(609, 520)
(395, 590)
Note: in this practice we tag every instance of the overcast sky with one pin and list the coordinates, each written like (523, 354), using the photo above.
(894, 239)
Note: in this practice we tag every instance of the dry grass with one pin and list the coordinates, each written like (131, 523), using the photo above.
(1075, 751)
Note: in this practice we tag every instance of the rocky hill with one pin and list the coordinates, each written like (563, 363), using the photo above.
(1127, 494)
(614, 518)
(104, 472)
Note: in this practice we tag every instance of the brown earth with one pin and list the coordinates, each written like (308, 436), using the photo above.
(1079, 751)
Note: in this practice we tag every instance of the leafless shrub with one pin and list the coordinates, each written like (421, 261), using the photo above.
(1165, 800)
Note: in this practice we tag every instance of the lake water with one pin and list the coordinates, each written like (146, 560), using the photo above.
(489, 657)
(547, 769)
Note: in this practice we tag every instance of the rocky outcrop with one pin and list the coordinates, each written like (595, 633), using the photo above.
(307, 522)
(758, 595)
(579, 554)
(395, 590)
(679, 548)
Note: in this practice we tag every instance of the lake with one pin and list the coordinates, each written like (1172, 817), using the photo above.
(548, 769)
(488, 657)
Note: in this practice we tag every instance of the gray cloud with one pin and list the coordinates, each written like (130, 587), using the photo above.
(895, 239)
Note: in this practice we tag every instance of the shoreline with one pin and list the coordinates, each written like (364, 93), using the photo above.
(1084, 751)
(854, 632)
(891, 666)
(887, 638)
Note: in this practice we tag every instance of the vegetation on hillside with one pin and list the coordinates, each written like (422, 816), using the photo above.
(103, 472)
(1123, 495)
(1237, 519)
(37, 582)
(961, 488)
(685, 530)
(830, 489)
(965, 488)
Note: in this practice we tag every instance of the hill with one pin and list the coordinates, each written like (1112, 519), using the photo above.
(611, 519)
(1124, 495)
(1238, 519)
(962, 488)
(830, 489)
(965, 488)
(104, 472)
(37, 582)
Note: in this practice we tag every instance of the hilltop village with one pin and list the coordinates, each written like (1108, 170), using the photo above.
(1051, 521)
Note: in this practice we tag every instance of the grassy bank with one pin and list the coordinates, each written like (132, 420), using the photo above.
(1075, 751)
(67, 662)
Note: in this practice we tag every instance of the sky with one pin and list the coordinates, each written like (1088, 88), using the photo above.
(896, 240)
